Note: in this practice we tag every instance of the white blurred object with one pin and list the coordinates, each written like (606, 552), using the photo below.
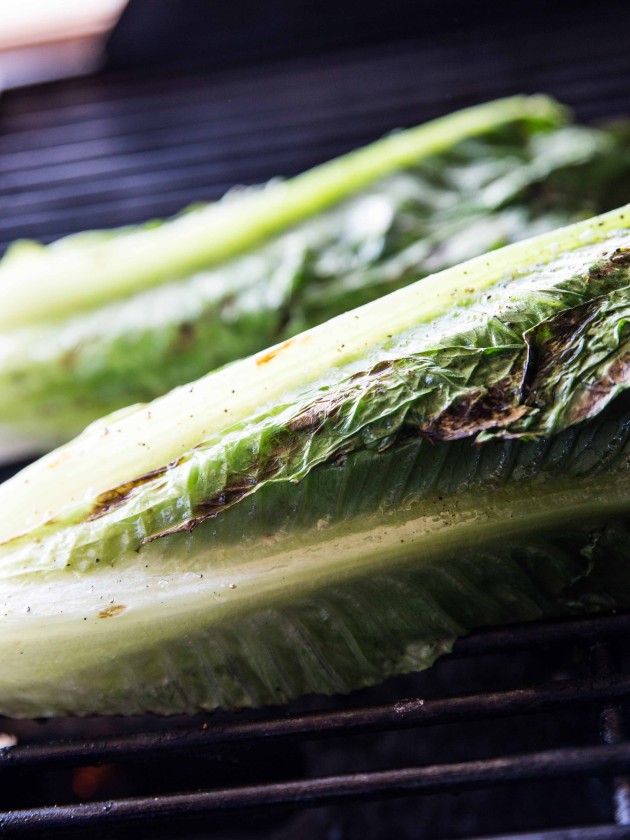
(7, 740)
(42, 40)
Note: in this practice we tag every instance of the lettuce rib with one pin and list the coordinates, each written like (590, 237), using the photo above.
(342, 506)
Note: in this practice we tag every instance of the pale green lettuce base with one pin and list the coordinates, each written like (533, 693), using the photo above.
(358, 573)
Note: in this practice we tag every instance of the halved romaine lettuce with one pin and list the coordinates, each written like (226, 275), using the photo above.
(100, 320)
(341, 507)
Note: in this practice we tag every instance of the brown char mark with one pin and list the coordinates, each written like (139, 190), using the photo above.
(111, 499)
(496, 407)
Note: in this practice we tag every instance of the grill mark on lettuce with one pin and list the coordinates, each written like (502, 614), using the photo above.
(578, 359)
(117, 496)
(480, 410)
(620, 258)
(598, 394)
(111, 499)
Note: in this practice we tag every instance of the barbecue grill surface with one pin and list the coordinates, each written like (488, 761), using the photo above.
(534, 739)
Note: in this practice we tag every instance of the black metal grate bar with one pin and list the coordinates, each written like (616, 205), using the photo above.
(552, 764)
(579, 631)
(403, 714)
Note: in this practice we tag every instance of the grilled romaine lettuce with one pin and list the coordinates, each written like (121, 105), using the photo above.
(342, 506)
(101, 320)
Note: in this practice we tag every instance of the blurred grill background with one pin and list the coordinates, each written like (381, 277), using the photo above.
(192, 98)
(195, 97)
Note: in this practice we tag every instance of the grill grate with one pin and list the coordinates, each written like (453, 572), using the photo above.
(524, 723)
(597, 691)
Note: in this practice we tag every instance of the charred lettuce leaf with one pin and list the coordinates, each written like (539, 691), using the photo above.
(340, 507)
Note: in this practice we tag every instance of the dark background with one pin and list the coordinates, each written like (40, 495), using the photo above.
(204, 34)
